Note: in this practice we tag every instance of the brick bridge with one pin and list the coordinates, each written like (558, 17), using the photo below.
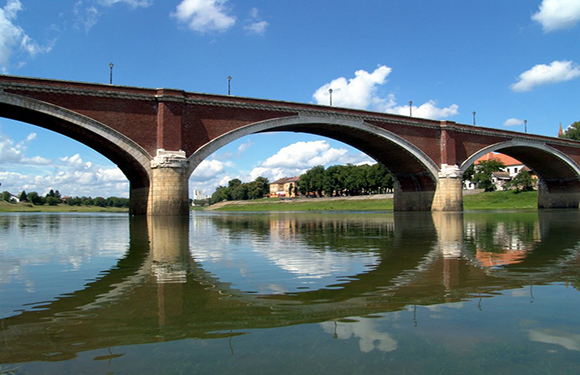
(157, 137)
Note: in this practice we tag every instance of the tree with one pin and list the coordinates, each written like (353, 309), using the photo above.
(34, 198)
(523, 181)
(483, 173)
(6, 196)
(220, 194)
(572, 131)
(23, 196)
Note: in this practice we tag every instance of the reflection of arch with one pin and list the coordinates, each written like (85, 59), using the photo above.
(131, 158)
(403, 159)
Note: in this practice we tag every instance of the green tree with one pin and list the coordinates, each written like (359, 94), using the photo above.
(34, 198)
(240, 192)
(6, 196)
(23, 196)
(572, 131)
(52, 201)
(483, 173)
(220, 194)
(523, 181)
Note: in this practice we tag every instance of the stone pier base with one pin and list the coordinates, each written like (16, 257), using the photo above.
(557, 199)
(449, 193)
(411, 200)
(168, 191)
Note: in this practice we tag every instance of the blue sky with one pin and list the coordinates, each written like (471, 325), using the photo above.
(509, 61)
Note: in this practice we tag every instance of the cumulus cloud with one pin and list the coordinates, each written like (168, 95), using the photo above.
(69, 174)
(297, 158)
(13, 39)
(558, 14)
(358, 92)
(542, 74)
(513, 122)
(292, 160)
(14, 153)
(361, 92)
(205, 15)
(207, 170)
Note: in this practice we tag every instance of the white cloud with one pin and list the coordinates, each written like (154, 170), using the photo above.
(85, 17)
(558, 14)
(361, 92)
(426, 110)
(256, 25)
(207, 170)
(297, 158)
(542, 74)
(69, 174)
(358, 92)
(131, 3)
(205, 15)
(244, 147)
(513, 122)
(13, 39)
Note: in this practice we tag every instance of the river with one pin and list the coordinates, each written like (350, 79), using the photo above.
(290, 293)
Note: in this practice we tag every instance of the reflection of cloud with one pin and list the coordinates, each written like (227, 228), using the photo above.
(570, 341)
(366, 330)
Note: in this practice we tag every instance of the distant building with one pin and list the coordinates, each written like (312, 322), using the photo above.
(500, 178)
(286, 187)
(199, 196)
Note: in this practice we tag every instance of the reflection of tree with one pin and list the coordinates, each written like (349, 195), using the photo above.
(340, 233)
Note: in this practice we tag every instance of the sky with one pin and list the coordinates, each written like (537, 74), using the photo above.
(507, 61)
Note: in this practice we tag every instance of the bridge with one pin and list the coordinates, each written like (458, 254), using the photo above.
(157, 137)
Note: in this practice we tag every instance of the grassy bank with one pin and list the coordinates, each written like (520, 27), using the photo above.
(29, 207)
(499, 200)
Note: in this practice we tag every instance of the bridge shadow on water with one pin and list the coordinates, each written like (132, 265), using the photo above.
(158, 291)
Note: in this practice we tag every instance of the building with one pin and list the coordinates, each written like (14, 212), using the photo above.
(500, 178)
(286, 187)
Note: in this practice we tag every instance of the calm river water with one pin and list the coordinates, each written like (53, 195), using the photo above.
(289, 293)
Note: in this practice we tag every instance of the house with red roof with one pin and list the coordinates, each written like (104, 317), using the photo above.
(500, 178)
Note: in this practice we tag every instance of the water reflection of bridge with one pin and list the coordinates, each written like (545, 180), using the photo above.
(157, 292)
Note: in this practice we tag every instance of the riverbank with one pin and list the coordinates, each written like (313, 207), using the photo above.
(29, 207)
(498, 200)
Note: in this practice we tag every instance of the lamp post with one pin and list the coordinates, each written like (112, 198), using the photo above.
(525, 126)
(330, 94)
(473, 118)
(229, 80)
(410, 108)
(111, 73)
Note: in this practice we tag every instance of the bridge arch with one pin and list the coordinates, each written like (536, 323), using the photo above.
(559, 184)
(412, 169)
(131, 158)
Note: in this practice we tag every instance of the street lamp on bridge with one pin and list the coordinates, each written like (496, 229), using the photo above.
(473, 118)
(525, 126)
(410, 108)
(111, 73)
(229, 80)
(330, 94)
